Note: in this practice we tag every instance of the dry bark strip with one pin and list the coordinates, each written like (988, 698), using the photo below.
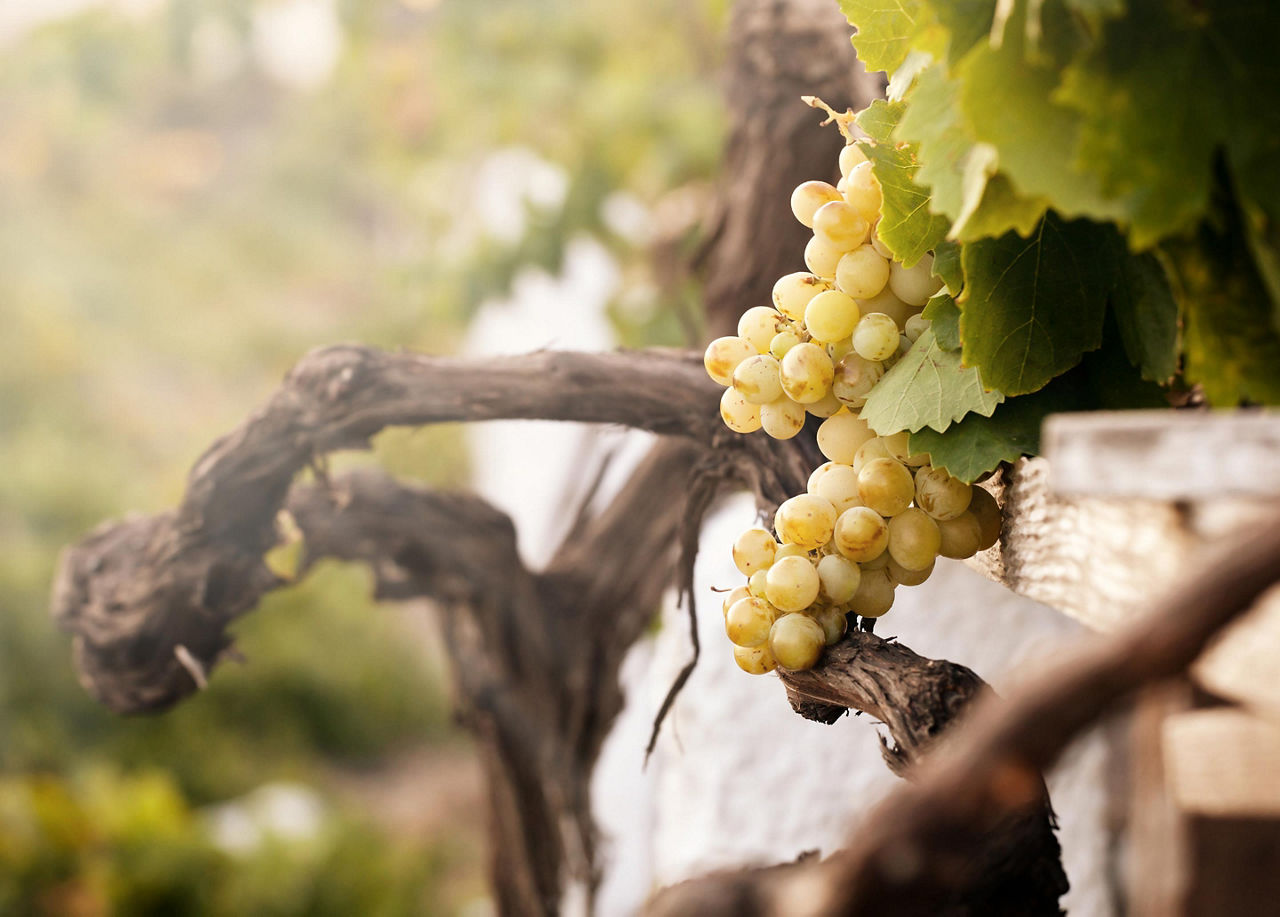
(915, 854)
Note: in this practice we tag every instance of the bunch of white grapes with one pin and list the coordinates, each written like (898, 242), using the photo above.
(832, 330)
(873, 518)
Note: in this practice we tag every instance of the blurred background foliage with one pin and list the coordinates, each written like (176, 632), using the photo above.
(193, 193)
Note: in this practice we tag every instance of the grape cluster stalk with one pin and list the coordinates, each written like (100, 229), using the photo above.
(874, 517)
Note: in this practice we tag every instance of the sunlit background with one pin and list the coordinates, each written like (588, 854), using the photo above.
(193, 193)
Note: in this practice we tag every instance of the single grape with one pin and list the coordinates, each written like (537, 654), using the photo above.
(897, 444)
(840, 225)
(833, 622)
(791, 584)
(876, 337)
(878, 244)
(915, 326)
(821, 257)
(961, 536)
(904, 344)
(753, 550)
(758, 325)
(880, 561)
(886, 486)
(782, 419)
(758, 379)
(790, 550)
(874, 448)
(748, 622)
(734, 595)
(854, 378)
(874, 596)
(831, 316)
(838, 350)
(914, 285)
(861, 534)
(914, 539)
(890, 305)
(792, 292)
(756, 583)
(783, 341)
(940, 495)
(723, 356)
(839, 578)
(739, 414)
(796, 641)
(990, 519)
(904, 577)
(818, 474)
(863, 192)
(806, 373)
(839, 487)
(862, 273)
(754, 660)
(825, 406)
(808, 197)
(850, 156)
(841, 435)
(806, 520)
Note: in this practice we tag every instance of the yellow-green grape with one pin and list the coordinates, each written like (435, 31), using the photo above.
(723, 356)
(825, 406)
(791, 584)
(758, 325)
(792, 292)
(915, 326)
(831, 316)
(821, 257)
(914, 539)
(790, 550)
(897, 443)
(806, 373)
(885, 485)
(796, 641)
(890, 305)
(808, 197)
(736, 594)
(783, 341)
(754, 660)
(854, 378)
(839, 577)
(914, 285)
(904, 577)
(904, 344)
(874, 448)
(961, 536)
(863, 192)
(862, 273)
(861, 534)
(874, 596)
(782, 419)
(940, 495)
(806, 520)
(990, 519)
(753, 550)
(833, 622)
(838, 350)
(758, 379)
(839, 487)
(877, 243)
(739, 414)
(841, 435)
(756, 583)
(876, 337)
(748, 621)
(850, 156)
(838, 223)
(880, 561)
(818, 474)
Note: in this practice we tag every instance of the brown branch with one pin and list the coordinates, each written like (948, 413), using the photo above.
(922, 850)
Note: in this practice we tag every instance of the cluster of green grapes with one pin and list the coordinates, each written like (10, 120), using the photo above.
(873, 518)
(832, 330)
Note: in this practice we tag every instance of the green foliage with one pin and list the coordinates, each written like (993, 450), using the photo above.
(927, 387)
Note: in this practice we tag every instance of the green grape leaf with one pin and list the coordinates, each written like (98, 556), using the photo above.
(927, 387)
(1147, 316)
(947, 268)
(906, 225)
(1232, 348)
(1031, 307)
(879, 119)
(977, 444)
(966, 21)
(944, 317)
(885, 29)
